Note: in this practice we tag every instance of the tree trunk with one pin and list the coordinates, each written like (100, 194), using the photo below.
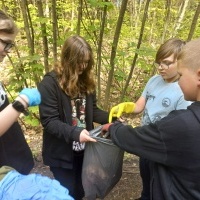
(80, 7)
(44, 37)
(137, 16)
(113, 52)
(166, 20)
(138, 47)
(54, 21)
(152, 26)
(194, 23)
(99, 52)
(180, 17)
(29, 34)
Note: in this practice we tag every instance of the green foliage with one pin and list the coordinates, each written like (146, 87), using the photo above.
(100, 4)
(32, 119)
(27, 68)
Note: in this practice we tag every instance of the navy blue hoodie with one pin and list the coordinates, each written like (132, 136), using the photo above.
(173, 146)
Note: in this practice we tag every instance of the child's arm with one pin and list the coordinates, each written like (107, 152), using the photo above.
(27, 97)
(139, 105)
(127, 107)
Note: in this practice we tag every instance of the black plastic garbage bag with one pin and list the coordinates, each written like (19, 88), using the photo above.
(102, 166)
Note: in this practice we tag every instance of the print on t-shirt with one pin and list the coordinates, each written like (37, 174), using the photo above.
(165, 103)
(78, 118)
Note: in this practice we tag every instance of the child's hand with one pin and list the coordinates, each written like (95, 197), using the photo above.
(105, 129)
(32, 95)
(84, 136)
(116, 111)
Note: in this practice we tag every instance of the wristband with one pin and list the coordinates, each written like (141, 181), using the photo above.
(18, 106)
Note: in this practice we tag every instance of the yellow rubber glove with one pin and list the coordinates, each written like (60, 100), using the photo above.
(116, 111)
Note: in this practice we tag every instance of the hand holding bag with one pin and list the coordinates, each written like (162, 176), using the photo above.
(102, 166)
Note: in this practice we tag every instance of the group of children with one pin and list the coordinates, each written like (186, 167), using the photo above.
(170, 144)
(167, 142)
(16, 159)
(161, 95)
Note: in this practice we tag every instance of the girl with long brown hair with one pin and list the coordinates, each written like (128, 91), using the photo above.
(67, 112)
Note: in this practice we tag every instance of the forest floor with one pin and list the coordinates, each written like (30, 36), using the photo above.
(128, 188)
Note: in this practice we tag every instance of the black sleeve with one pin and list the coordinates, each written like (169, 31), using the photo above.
(142, 141)
(172, 141)
(49, 112)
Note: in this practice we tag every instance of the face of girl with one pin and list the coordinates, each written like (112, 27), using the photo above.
(6, 43)
(167, 68)
(82, 64)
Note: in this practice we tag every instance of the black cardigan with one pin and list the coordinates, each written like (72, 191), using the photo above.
(56, 118)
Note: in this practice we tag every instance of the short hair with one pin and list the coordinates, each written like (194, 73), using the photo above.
(171, 46)
(190, 55)
(7, 24)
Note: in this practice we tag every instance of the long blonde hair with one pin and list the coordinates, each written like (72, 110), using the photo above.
(74, 50)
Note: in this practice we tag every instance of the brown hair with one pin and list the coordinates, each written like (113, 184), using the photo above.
(7, 25)
(74, 50)
(171, 46)
(190, 54)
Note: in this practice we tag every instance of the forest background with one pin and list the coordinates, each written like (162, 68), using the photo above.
(124, 36)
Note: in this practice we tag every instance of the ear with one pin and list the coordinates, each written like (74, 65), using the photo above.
(198, 77)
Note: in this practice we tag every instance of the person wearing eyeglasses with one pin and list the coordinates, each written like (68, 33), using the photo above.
(16, 159)
(160, 96)
(14, 150)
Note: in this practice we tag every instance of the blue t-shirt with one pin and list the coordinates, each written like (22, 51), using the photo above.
(161, 98)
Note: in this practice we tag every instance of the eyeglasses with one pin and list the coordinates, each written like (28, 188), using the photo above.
(163, 65)
(8, 45)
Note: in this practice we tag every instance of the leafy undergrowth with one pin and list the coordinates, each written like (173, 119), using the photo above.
(129, 186)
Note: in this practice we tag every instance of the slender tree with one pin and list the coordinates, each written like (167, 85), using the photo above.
(29, 31)
(103, 22)
(166, 20)
(194, 23)
(138, 47)
(153, 22)
(181, 14)
(55, 30)
(80, 7)
(44, 35)
(90, 18)
(113, 52)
